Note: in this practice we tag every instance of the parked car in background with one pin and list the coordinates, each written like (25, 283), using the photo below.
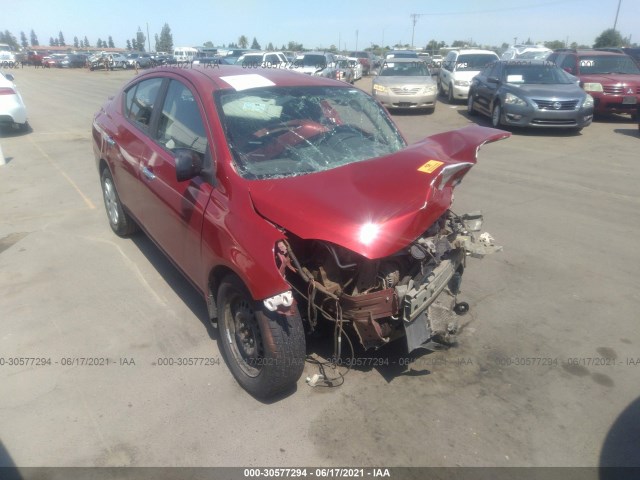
(34, 58)
(342, 71)
(612, 79)
(13, 112)
(356, 66)
(437, 60)
(533, 52)
(73, 61)
(233, 54)
(313, 63)
(108, 61)
(167, 59)
(457, 70)
(405, 83)
(365, 59)
(401, 54)
(536, 93)
(54, 60)
(291, 202)
(263, 60)
(140, 59)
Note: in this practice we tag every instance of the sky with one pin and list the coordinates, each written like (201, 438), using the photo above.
(349, 24)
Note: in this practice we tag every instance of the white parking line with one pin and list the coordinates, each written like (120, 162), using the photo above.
(86, 199)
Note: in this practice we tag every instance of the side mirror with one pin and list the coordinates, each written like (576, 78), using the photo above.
(9, 77)
(188, 164)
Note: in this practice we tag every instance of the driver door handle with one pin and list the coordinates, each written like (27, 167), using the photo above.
(148, 173)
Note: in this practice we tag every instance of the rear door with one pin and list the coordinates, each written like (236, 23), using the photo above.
(173, 211)
(131, 144)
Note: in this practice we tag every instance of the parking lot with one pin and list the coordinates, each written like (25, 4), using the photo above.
(546, 372)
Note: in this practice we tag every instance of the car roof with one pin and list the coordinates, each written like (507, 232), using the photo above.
(402, 60)
(205, 77)
(580, 52)
(474, 50)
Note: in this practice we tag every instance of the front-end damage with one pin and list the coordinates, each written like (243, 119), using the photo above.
(411, 293)
(376, 245)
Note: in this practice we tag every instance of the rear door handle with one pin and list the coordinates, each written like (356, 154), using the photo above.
(148, 173)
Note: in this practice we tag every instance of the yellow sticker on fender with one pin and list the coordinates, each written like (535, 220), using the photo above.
(430, 166)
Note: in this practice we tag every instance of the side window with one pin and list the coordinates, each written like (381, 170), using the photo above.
(181, 124)
(139, 101)
(569, 63)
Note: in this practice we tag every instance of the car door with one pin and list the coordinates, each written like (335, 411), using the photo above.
(173, 210)
(132, 136)
(487, 87)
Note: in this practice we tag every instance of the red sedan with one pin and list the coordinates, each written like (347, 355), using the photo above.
(291, 201)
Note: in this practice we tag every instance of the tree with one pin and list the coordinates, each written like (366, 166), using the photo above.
(270, 47)
(76, 43)
(243, 41)
(99, 43)
(8, 38)
(164, 43)
(294, 47)
(23, 40)
(51, 43)
(255, 45)
(459, 43)
(86, 42)
(609, 38)
(208, 44)
(128, 44)
(434, 47)
(61, 40)
(140, 39)
(554, 44)
(34, 39)
(111, 44)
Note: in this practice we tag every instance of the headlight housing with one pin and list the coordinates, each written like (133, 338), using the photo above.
(428, 89)
(592, 87)
(588, 101)
(512, 99)
(462, 83)
(379, 88)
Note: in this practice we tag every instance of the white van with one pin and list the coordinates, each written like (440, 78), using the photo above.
(185, 54)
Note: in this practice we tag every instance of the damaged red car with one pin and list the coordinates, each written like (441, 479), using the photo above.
(288, 201)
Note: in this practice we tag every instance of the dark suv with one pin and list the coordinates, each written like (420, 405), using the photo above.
(612, 79)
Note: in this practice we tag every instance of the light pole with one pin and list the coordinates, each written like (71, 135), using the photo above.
(617, 12)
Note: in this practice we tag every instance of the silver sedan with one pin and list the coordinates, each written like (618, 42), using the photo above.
(405, 83)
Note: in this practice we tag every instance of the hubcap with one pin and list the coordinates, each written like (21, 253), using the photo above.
(110, 201)
(243, 335)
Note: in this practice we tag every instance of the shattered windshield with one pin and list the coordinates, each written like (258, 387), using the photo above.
(277, 132)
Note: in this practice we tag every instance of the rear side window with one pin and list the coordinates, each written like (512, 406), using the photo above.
(569, 63)
(181, 124)
(139, 101)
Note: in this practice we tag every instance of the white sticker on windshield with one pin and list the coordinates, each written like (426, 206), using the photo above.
(514, 79)
(244, 82)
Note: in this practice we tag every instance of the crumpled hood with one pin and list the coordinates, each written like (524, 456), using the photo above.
(374, 207)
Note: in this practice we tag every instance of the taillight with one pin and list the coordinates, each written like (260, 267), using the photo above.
(7, 91)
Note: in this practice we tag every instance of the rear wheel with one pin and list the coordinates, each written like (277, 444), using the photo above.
(121, 223)
(496, 115)
(264, 350)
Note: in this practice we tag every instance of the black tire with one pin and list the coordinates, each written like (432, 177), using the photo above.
(496, 116)
(264, 350)
(121, 223)
(450, 98)
(470, 107)
(440, 89)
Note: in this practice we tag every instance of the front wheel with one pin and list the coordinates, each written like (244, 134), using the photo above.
(264, 350)
(470, 106)
(496, 116)
(450, 97)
